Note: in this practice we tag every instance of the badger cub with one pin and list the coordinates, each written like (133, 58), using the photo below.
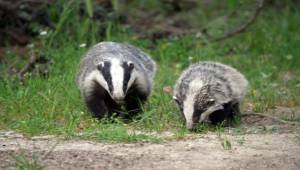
(209, 92)
(113, 75)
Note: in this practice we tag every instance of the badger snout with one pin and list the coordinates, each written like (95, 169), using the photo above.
(118, 98)
(190, 125)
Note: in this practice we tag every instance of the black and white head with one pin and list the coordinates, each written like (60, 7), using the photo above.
(116, 77)
(197, 104)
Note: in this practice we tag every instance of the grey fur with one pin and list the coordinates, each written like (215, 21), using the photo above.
(215, 87)
(105, 51)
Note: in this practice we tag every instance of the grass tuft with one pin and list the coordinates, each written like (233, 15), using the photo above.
(22, 162)
(268, 55)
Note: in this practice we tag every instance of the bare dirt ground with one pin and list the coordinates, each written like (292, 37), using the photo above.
(256, 151)
(272, 146)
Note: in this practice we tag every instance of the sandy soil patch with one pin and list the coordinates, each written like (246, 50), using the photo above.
(251, 151)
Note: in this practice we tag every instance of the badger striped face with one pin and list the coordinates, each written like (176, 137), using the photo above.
(118, 76)
(198, 104)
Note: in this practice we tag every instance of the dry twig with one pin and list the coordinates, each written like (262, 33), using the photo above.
(271, 117)
(242, 28)
(29, 66)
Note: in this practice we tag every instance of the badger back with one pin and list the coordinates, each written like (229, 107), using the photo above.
(233, 82)
(221, 78)
(206, 87)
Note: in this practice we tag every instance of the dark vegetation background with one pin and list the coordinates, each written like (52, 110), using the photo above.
(41, 43)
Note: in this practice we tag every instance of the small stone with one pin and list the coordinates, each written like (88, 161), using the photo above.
(168, 89)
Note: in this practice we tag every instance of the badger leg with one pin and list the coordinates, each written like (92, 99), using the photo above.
(96, 105)
(101, 106)
(133, 102)
(113, 108)
(236, 109)
(226, 114)
(233, 111)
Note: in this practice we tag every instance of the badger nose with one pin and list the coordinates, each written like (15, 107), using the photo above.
(118, 98)
(190, 125)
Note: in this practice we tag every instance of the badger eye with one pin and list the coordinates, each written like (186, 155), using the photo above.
(176, 100)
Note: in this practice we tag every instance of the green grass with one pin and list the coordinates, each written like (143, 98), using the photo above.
(22, 162)
(298, 137)
(268, 55)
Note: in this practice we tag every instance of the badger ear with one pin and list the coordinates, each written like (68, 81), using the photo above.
(100, 66)
(130, 65)
(178, 104)
(176, 99)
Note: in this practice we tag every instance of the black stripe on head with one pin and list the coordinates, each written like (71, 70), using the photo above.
(128, 67)
(104, 68)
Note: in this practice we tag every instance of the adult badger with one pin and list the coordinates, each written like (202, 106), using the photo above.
(115, 74)
(209, 92)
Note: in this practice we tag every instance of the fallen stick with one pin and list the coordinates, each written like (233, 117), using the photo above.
(28, 67)
(271, 117)
(242, 28)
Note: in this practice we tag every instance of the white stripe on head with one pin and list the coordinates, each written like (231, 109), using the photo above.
(94, 75)
(188, 104)
(117, 75)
